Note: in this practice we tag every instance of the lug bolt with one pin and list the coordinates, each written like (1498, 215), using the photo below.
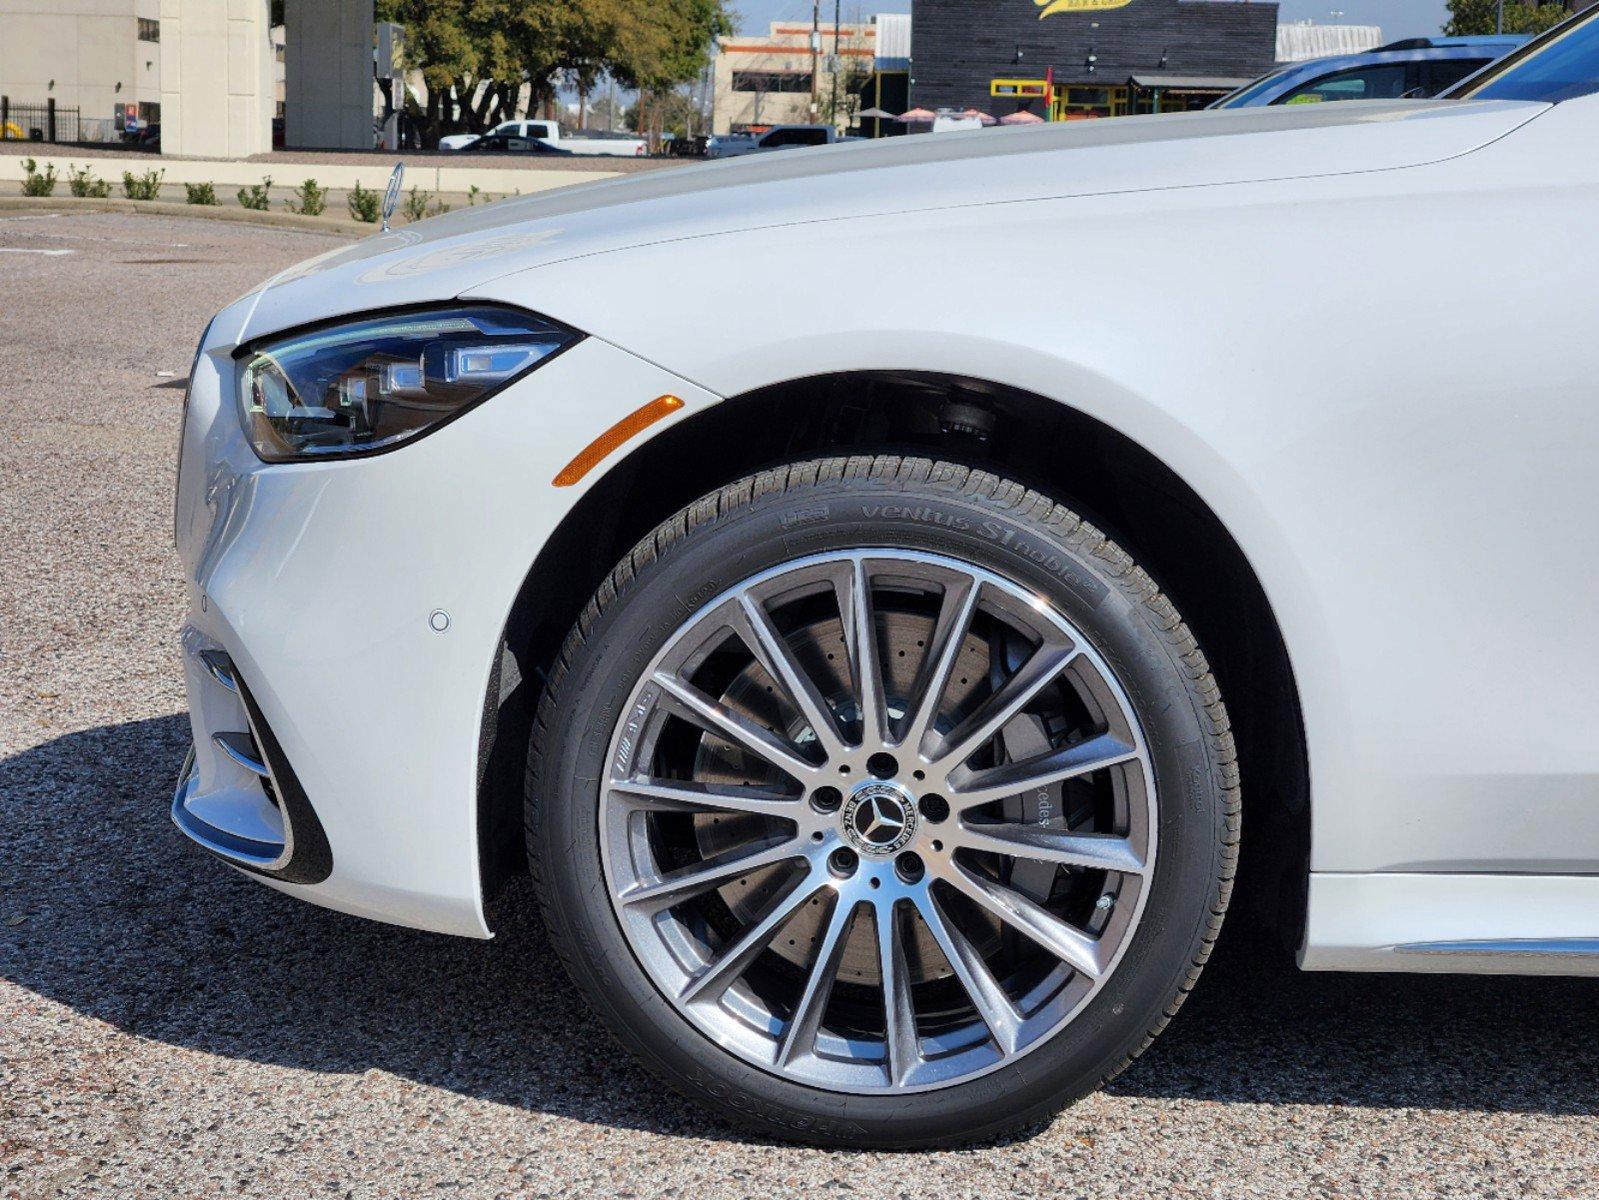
(934, 808)
(842, 862)
(909, 867)
(826, 799)
(883, 766)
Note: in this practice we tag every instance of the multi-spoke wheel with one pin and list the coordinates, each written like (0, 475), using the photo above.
(852, 825)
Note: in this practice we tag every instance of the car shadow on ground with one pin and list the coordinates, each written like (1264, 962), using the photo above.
(104, 908)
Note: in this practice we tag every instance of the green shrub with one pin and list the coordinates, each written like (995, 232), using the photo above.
(420, 205)
(255, 196)
(472, 196)
(416, 204)
(35, 184)
(1467, 17)
(82, 183)
(200, 193)
(364, 204)
(142, 187)
(310, 200)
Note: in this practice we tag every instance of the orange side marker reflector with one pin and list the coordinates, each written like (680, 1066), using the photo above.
(628, 427)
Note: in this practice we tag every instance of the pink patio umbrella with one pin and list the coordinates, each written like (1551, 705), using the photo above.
(917, 116)
(1022, 118)
(985, 118)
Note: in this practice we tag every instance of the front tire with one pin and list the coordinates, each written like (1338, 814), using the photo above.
(882, 802)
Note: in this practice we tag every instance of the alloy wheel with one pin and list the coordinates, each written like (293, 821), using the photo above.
(878, 821)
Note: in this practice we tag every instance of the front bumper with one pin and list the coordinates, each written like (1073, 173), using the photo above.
(324, 586)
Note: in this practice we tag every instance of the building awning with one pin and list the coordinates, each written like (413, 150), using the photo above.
(1190, 83)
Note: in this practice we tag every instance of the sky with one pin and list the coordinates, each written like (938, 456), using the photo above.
(1398, 18)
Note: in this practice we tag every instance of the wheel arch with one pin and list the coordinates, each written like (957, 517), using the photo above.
(1112, 480)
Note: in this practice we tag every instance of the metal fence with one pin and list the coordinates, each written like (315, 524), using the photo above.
(47, 122)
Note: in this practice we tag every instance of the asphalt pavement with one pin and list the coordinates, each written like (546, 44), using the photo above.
(170, 1028)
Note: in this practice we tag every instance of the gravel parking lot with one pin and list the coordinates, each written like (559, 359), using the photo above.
(168, 1027)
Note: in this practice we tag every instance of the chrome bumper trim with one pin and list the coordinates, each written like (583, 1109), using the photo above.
(241, 748)
(220, 667)
(302, 854)
(231, 847)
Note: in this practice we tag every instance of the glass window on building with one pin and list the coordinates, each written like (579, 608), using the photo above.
(1073, 102)
(1381, 81)
(1168, 100)
(149, 31)
(771, 81)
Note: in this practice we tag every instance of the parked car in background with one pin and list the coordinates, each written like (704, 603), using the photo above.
(729, 145)
(591, 144)
(509, 143)
(1415, 69)
(688, 146)
(779, 137)
(889, 698)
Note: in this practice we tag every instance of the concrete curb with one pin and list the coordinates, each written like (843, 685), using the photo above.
(206, 212)
(439, 177)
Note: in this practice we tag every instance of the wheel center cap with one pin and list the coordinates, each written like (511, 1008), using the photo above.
(879, 818)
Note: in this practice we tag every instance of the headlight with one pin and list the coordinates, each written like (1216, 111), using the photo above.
(370, 384)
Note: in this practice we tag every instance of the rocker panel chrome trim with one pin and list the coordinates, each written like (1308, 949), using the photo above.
(1531, 947)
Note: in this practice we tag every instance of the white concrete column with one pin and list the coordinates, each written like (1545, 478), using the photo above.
(327, 84)
(216, 78)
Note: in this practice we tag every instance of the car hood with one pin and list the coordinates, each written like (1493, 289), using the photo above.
(447, 255)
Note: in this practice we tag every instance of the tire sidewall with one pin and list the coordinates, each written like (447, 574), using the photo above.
(1062, 561)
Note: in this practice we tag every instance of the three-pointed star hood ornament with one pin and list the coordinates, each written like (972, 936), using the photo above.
(392, 196)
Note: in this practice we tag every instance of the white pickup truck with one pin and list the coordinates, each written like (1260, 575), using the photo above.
(551, 134)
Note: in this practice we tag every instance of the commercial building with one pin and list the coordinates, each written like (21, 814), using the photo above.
(794, 75)
(799, 75)
(890, 87)
(1061, 59)
(98, 60)
(213, 73)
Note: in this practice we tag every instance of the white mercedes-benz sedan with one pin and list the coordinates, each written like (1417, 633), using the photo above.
(894, 596)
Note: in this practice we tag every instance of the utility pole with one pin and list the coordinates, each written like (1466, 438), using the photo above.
(816, 53)
(1499, 17)
(838, 62)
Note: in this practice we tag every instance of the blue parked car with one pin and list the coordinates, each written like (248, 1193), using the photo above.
(1417, 67)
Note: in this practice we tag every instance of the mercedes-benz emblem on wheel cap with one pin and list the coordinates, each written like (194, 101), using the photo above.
(879, 818)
